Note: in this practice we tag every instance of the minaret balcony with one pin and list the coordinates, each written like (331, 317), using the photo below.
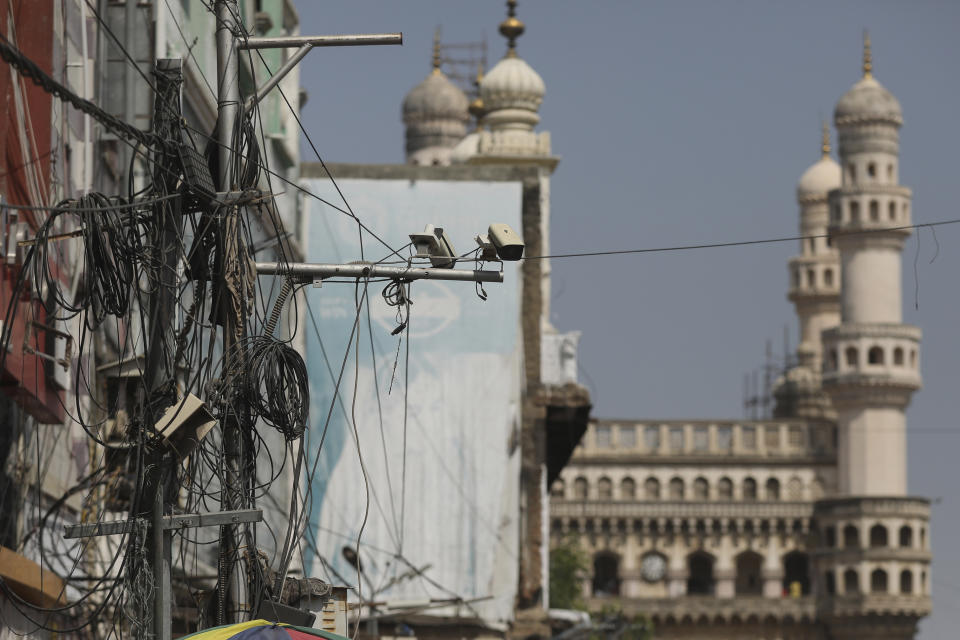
(814, 277)
(870, 208)
(872, 355)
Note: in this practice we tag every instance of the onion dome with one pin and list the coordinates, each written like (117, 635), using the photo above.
(868, 100)
(823, 175)
(512, 83)
(435, 115)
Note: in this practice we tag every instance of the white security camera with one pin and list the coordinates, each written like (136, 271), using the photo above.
(508, 243)
(433, 243)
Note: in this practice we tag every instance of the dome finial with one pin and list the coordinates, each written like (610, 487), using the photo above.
(867, 58)
(511, 28)
(436, 50)
(825, 142)
(476, 107)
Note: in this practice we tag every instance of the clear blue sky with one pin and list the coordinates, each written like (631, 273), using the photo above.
(690, 122)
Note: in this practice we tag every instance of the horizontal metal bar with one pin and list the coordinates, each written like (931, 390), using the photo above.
(187, 520)
(290, 42)
(307, 271)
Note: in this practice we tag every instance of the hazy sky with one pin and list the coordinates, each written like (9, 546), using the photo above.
(690, 122)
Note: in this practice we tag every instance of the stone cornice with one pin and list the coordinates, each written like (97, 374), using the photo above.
(850, 330)
(868, 506)
(679, 510)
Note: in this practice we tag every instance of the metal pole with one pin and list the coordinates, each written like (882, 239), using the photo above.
(309, 271)
(292, 42)
(279, 75)
(129, 86)
(231, 581)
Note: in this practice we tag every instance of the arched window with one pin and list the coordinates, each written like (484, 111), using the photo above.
(898, 356)
(836, 216)
(906, 536)
(878, 581)
(923, 538)
(628, 489)
(833, 360)
(606, 574)
(923, 582)
(811, 278)
(892, 210)
(913, 358)
(906, 581)
(875, 355)
(851, 582)
(874, 210)
(773, 489)
(701, 490)
(580, 488)
(749, 580)
(830, 537)
(830, 582)
(651, 489)
(749, 489)
(700, 581)
(604, 489)
(878, 536)
(828, 277)
(725, 489)
(852, 356)
(854, 211)
(795, 489)
(851, 537)
(796, 572)
(676, 489)
(872, 169)
(558, 489)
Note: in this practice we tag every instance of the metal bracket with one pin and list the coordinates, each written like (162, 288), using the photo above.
(184, 521)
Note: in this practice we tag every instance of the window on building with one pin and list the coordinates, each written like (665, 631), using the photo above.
(832, 361)
(872, 170)
(628, 437)
(603, 436)
(651, 438)
(794, 489)
(700, 567)
(811, 278)
(828, 277)
(773, 489)
(874, 210)
(796, 573)
(853, 358)
(749, 489)
(604, 489)
(580, 488)
(748, 436)
(771, 437)
(851, 537)
(898, 356)
(606, 575)
(676, 489)
(851, 582)
(725, 489)
(906, 581)
(651, 489)
(749, 580)
(923, 537)
(830, 537)
(795, 436)
(913, 358)
(854, 211)
(875, 355)
(628, 489)
(878, 581)
(700, 441)
(892, 211)
(906, 536)
(676, 438)
(830, 582)
(724, 438)
(701, 490)
(878, 536)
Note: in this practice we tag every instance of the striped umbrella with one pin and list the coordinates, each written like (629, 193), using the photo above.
(262, 630)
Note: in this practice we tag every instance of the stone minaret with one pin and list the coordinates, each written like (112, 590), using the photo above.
(874, 563)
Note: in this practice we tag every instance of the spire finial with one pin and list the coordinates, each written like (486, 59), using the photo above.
(511, 28)
(867, 58)
(436, 50)
(825, 142)
(476, 107)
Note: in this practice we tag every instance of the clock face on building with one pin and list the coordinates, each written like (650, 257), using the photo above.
(653, 566)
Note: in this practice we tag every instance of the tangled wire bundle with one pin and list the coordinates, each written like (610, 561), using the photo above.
(277, 387)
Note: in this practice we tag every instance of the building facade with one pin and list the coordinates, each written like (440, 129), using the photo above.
(799, 526)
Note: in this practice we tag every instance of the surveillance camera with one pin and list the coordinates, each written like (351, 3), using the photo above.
(433, 243)
(487, 250)
(508, 243)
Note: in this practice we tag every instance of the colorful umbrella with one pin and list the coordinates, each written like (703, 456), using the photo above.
(262, 630)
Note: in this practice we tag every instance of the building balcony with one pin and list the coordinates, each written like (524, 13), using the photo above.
(710, 609)
(674, 510)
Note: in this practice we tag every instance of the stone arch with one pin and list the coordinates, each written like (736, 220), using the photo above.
(749, 576)
(773, 489)
(606, 574)
(892, 210)
(628, 489)
(832, 360)
(581, 488)
(830, 536)
(651, 488)
(898, 356)
(852, 356)
(795, 489)
(676, 489)
(875, 355)
(878, 581)
(828, 277)
(830, 582)
(604, 488)
(851, 582)
(700, 568)
(749, 489)
(878, 535)
(701, 489)
(725, 489)
(854, 211)
(874, 210)
(906, 581)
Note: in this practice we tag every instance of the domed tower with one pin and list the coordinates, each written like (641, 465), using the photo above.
(875, 560)
(435, 115)
(814, 290)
